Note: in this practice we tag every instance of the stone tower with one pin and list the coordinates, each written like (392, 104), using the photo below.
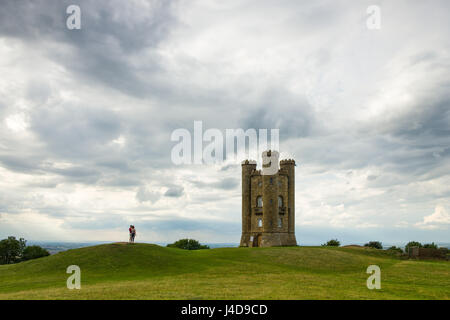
(268, 204)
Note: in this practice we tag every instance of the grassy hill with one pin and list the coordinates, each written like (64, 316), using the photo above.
(143, 271)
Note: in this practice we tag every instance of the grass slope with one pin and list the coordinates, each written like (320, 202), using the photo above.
(143, 271)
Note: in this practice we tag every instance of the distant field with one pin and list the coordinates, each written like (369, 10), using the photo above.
(55, 247)
(144, 271)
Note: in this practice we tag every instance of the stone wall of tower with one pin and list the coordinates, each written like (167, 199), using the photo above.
(247, 168)
(269, 187)
(284, 193)
(256, 190)
(270, 205)
(288, 166)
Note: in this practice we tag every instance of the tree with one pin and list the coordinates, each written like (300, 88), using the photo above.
(374, 244)
(430, 245)
(412, 244)
(34, 252)
(395, 249)
(187, 244)
(11, 250)
(332, 243)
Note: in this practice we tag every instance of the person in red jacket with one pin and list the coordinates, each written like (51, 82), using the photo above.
(132, 231)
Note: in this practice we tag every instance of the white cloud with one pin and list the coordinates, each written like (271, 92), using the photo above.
(439, 219)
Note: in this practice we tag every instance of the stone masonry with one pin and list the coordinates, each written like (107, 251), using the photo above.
(268, 205)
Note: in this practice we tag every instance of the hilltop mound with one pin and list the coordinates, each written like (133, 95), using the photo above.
(124, 271)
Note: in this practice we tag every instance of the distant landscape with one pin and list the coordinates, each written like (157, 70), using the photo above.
(55, 247)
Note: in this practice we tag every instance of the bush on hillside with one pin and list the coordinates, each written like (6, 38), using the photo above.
(430, 245)
(412, 244)
(332, 243)
(374, 244)
(445, 252)
(11, 250)
(187, 244)
(395, 250)
(34, 252)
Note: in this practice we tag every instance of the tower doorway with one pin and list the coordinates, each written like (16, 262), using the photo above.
(257, 241)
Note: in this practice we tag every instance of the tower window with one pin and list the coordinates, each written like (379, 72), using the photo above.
(280, 202)
(259, 201)
(280, 223)
(259, 223)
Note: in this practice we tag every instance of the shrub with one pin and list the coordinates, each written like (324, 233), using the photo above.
(445, 250)
(374, 244)
(412, 244)
(395, 249)
(332, 243)
(11, 250)
(187, 244)
(430, 245)
(34, 252)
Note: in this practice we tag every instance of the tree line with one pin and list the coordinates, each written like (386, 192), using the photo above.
(14, 250)
(378, 245)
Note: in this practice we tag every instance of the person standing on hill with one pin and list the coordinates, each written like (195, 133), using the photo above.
(132, 231)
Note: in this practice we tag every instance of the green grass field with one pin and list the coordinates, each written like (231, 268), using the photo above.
(144, 271)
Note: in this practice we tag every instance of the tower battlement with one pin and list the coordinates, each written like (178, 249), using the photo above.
(287, 162)
(256, 172)
(248, 162)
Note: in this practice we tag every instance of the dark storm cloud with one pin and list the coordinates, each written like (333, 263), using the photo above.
(119, 164)
(100, 50)
(19, 163)
(174, 192)
(44, 184)
(75, 172)
(426, 120)
(279, 109)
(411, 142)
(134, 27)
(76, 130)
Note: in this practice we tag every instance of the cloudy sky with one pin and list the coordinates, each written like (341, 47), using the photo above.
(86, 116)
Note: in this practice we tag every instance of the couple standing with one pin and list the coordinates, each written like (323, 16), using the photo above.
(132, 231)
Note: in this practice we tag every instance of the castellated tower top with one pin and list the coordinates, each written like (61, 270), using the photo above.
(287, 162)
(248, 162)
(268, 153)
